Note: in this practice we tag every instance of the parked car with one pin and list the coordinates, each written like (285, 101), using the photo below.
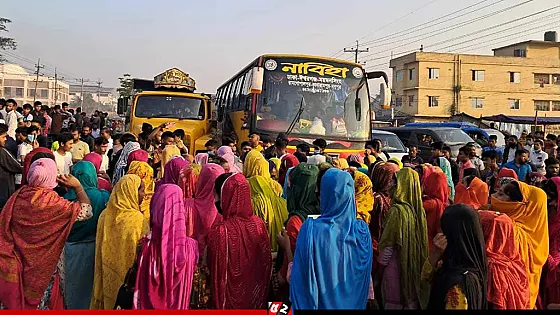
(392, 145)
(423, 137)
(478, 135)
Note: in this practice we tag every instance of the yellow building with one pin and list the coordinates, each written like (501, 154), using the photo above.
(518, 80)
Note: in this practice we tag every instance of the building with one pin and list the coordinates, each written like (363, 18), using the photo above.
(522, 79)
(103, 95)
(19, 84)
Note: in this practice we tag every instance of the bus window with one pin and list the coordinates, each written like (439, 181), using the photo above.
(238, 84)
(231, 89)
(244, 97)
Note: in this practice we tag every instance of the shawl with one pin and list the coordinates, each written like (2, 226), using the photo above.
(172, 171)
(256, 165)
(146, 174)
(355, 157)
(122, 162)
(96, 160)
(288, 161)
(341, 164)
(553, 272)
(200, 211)
(226, 153)
(121, 225)
(85, 230)
(535, 179)
(405, 230)
(464, 260)
(138, 155)
(531, 231)
(381, 181)
(168, 259)
(333, 261)
(446, 168)
(27, 161)
(508, 284)
(301, 193)
(28, 257)
(504, 173)
(168, 153)
(201, 158)
(476, 195)
(188, 177)
(364, 196)
(42, 174)
(436, 198)
(396, 161)
(239, 255)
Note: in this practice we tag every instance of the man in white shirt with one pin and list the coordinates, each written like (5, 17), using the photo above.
(27, 117)
(101, 145)
(538, 156)
(11, 117)
(62, 156)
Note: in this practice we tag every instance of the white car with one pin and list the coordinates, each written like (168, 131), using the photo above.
(501, 143)
(391, 143)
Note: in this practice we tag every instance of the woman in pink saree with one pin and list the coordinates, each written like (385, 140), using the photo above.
(96, 159)
(227, 154)
(168, 258)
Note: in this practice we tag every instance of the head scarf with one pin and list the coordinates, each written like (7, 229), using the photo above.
(226, 153)
(42, 174)
(27, 161)
(505, 173)
(96, 159)
(476, 195)
(239, 251)
(508, 284)
(435, 199)
(28, 256)
(277, 163)
(553, 273)
(122, 162)
(172, 171)
(169, 258)
(169, 153)
(201, 158)
(381, 180)
(138, 155)
(530, 220)
(301, 193)
(316, 159)
(446, 168)
(120, 227)
(356, 157)
(288, 161)
(396, 161)
(464, 262)
(256, 165)
(188, 177)
(424, 170)
(85, 173)
(201, 210)
(535, 179)
(364, 196)
(341, 164)
(146, 174)
(334, 253)
(405, 230)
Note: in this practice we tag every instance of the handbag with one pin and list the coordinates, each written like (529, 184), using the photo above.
(125, 296)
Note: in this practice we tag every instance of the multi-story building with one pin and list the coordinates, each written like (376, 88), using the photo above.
(522, 79)
(19, 84)
(104, 95)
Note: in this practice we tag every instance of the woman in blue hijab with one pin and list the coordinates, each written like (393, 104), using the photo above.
(332, 262)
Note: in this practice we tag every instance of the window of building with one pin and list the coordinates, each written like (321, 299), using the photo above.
(542, 78)
(542, 106)
(556, 79)
(477, 102)
(514, 104)
(411, 74)
(519, 53)
(7, 92)
(433, 73)
(478, 75)
(30, 92)
(19, 92)
(411, 100)
(514, 77)
(400, 76)
(556, 106)
(433, 101)
(12, 82)
(398, 101)
(44, 94)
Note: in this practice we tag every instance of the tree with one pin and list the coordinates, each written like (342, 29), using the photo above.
(6, 42)
(125, 90)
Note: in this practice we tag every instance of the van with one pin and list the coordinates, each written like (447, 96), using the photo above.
(455, 138)
(392, 145)
(478, 135)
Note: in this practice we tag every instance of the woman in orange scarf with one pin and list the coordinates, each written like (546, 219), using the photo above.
(526, 206)
(472, 191)
(435, 199)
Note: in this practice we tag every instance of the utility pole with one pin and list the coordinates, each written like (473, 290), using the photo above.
(56, 88)
(82, 93)
(356, 51)
(98, 89)
(38, 66)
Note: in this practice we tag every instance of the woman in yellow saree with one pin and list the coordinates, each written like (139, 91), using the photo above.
(256, 165)
(146, 174)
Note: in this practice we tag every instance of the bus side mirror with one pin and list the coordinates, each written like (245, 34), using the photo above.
(122, 103)
(385, 94)
(358, 108)
(257, 78)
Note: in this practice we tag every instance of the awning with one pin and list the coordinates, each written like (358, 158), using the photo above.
(523, 119)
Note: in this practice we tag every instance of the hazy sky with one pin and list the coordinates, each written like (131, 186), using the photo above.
(213, 39)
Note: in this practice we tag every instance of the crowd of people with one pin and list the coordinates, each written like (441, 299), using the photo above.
(139, 222)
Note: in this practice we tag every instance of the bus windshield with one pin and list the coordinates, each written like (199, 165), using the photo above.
(179, 107)
(326, 91)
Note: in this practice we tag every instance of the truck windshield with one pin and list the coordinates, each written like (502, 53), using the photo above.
(328, 92)
(180, 107)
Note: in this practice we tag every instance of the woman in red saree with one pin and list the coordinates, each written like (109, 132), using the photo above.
(102, 179)
(473, 192)
(381, 180)
(287, 162)
(435, 200)
(29, 277)
(239, 255)
(42, 152)
(551, 271)
(188, 177)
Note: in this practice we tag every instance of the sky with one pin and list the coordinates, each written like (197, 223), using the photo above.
(212, 40)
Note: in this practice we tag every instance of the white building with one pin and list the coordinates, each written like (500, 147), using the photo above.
(103, 95)
(19, 84)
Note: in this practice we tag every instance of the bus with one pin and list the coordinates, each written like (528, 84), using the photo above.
(170, 97)
(306, 97)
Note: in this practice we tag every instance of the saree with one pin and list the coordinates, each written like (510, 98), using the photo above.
(381, 180)
(364, 196)
(188, 177)
(504, 173)
(120, 227)
(396, 161)
(226, 153)
(96, 160)
(552, 281)
(28, 257)
(531, 231)
(172, 171)
(168, 258)
(446, 168)
(435, 199)
(287, 162)
(201, 212)
(138, 155)
(405, 230)
(508, 284)
(332, 263)
(201, 158)
(27, 162)
(168, 153)
(476, 195)
(122, 162)
(146, 174)
(239, 253)
(341, 164)
(256, 165)
(79, 252)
